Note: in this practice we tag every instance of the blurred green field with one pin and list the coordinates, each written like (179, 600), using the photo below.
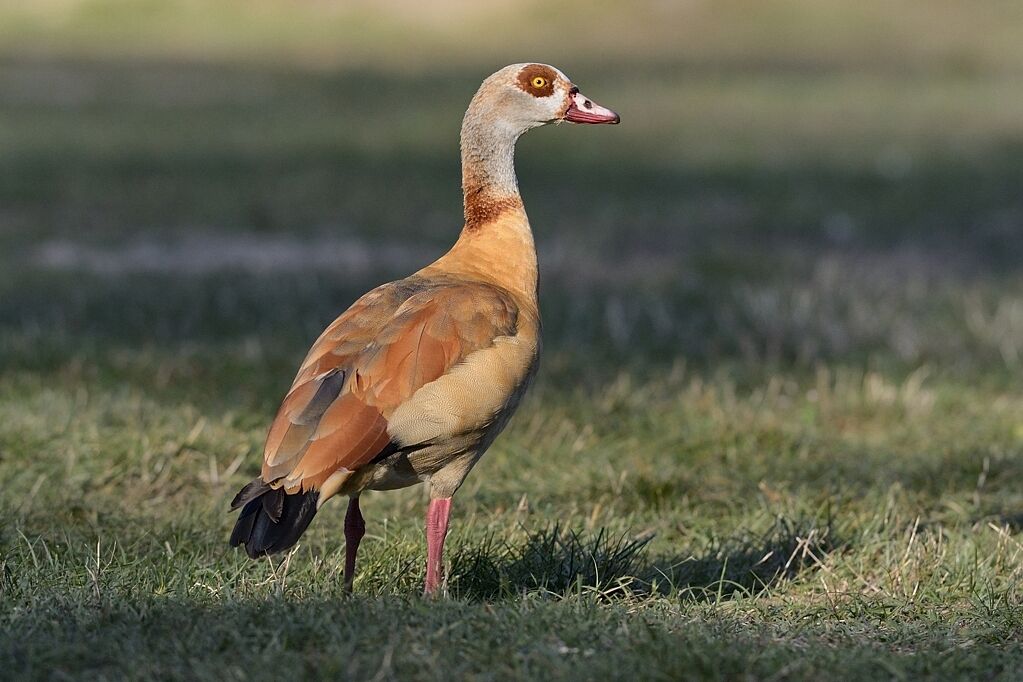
(778, 427)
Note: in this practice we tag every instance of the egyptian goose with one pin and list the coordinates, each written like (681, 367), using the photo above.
(415, 381)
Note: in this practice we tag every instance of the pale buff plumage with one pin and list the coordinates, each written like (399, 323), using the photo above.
(415, 381)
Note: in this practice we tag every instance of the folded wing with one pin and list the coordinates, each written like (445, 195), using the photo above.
(371, 360)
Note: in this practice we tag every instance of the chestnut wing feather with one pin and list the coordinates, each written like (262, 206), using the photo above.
(372, 359)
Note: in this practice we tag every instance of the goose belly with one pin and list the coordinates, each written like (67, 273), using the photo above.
(458, 416)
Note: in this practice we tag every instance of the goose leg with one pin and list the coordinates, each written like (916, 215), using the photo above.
(436, 531)
(355, 528)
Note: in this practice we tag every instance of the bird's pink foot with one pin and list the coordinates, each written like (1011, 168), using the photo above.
(436, 531)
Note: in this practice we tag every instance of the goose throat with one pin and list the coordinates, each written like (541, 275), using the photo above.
(489, 185)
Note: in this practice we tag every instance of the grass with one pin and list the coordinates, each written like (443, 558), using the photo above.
(778, 427)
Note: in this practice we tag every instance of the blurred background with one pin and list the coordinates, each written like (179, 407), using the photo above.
(794, 180)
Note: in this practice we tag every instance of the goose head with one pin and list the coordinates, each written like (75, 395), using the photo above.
(524, 96)
(510, 102)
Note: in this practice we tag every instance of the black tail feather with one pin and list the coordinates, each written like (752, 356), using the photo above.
(271, 520)
(250, 492)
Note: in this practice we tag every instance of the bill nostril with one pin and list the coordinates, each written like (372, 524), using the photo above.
(588, 104)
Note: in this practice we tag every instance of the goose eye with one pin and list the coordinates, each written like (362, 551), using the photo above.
(539, 82)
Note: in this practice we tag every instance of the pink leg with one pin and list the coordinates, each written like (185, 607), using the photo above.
(436, 530)
(355, 528)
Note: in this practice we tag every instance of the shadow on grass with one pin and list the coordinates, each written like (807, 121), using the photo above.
(561, 562)
(330, 638)
(1011, 521)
